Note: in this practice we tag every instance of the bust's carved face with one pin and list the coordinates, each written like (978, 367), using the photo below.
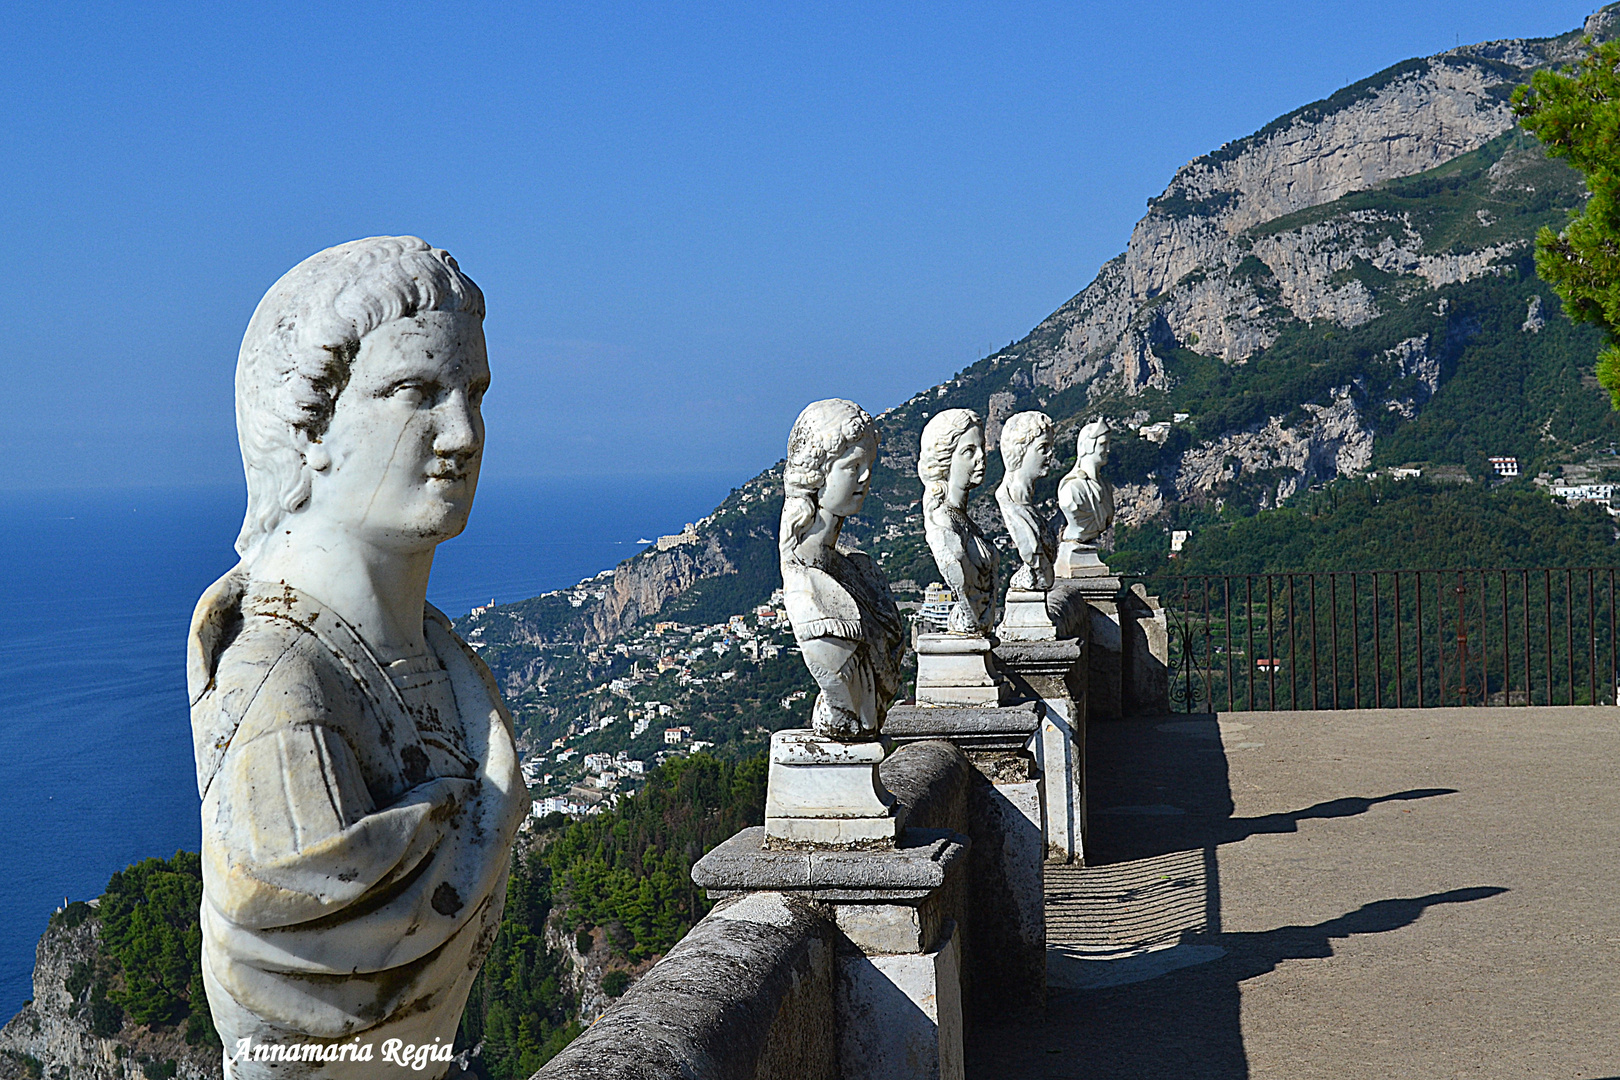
(1038, 458)
(967, 460)
(849, 479)
(407, 436)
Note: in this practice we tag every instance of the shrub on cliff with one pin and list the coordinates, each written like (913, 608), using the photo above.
(150, 931)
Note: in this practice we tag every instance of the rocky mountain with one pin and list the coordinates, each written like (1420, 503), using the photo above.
(1350, 286)
(66, 1030)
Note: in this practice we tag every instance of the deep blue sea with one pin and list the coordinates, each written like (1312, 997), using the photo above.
(96, 591)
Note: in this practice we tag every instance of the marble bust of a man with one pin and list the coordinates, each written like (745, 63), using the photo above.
(360, 789)
(950, 464)
(1087, 500)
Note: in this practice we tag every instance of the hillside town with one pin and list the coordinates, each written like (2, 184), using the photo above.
(667, 692)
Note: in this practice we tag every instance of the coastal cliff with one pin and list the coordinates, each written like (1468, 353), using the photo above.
(67, 1028)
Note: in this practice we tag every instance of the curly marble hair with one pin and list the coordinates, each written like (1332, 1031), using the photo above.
(939, 438)
(298, 349)
(1020, 433)
(820, 436)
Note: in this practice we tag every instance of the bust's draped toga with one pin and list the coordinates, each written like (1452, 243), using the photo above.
(844, 595)
(1088, 503)
(967, 562)
(358, 819)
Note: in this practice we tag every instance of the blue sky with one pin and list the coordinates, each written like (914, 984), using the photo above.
(688, 219)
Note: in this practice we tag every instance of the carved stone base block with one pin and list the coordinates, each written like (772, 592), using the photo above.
(824, 793)
(954, 669)
(898, 989)
(1055, 672)
(1076, 560)
(1025, 618)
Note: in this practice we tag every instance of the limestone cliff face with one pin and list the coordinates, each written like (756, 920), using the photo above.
(53, 1029)
(643, 585)
(1178, 277)
(1331, 441)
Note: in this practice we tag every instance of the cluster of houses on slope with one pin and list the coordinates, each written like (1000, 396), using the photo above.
(693, 654)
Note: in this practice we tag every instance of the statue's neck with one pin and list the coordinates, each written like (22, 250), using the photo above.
(1020, 489)
(381, 594)
(822, 536)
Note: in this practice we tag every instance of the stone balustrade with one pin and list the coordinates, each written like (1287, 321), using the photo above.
(868, 964)
(828, 964)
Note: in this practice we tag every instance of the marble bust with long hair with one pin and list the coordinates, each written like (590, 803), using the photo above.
(950, 464)
(838, 601)
(1026, 454)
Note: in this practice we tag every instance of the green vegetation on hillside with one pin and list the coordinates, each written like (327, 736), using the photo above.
(519, 1007)
(1383, 525)
(629, 871)
(149, 967)
(150, 928)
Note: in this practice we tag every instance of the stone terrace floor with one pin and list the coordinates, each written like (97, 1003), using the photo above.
(1356, 894)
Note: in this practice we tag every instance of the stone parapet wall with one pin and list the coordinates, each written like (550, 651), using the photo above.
(748, 993)
(785, 983)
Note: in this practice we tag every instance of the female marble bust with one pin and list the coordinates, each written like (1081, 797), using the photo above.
(838, 601)
(359, 783)
(950, 465)
(1026, 454)
(1086, 499)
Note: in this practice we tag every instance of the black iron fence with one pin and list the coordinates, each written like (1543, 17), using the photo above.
(1391, 638)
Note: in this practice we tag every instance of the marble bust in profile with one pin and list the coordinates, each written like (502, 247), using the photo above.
(950, 465)
(1026, 454)
(360, 789)
(838, 601)
(1086, 499)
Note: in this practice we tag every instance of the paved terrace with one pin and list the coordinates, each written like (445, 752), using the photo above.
(1336, 895)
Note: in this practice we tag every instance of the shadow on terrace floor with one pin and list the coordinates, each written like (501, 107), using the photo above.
(1145, 981)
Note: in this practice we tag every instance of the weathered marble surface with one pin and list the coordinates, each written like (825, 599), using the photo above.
(843, 615)
(1087, 501)
(359, 783)
(958, 669)
(823, 786)
(951, 465)
(821, 791)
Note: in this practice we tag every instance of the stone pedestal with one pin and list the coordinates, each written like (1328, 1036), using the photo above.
(827, 793)
(1024, 618)
(1055, 673)
(900, 1014)
(1129, 648)
(1076, 560)
(898, 997)
(956, 669)
(1007, 805)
